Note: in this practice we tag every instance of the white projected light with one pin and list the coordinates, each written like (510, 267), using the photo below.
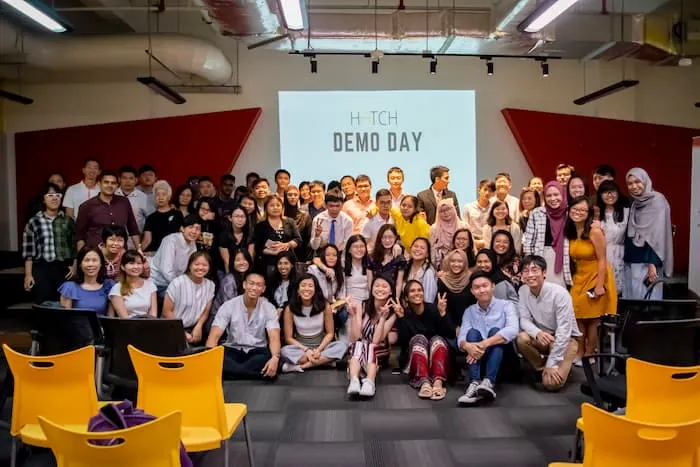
(36, 15)
(327, 134)
(293, 14)
(546, 14)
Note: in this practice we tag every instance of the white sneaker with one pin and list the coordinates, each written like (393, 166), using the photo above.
(471, 395)
(485, 390)
(291, 368)
(578, 363)
(367, 388)
(354, 387)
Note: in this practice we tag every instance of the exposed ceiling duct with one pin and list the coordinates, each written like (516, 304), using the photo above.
(182, 54)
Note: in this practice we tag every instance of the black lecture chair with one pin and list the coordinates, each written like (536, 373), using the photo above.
(165, 337)
(61, 329)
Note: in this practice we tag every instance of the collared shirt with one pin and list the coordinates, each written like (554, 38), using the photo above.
(500, 314)
(513, 206)
(371, 229)
(312, 210)
(437, 194)
(150, 199)
(170, 261)
(139, 204)
(343, 230)
(246, 333)
(357, 210)
(49, 239)
(476, 217)
(553, 312)
(77, 194)
(396, 202)
(99, 214)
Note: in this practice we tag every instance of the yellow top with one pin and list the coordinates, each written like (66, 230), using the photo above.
(409, 231)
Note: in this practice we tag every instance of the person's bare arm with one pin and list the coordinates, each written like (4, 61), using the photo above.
(598, 240)
(66, 302)
(153, 309)
(214, 335)
(168, 307)
(226, 258)
(117, 304)
(147, 239)
(70, 212)
(328, 326)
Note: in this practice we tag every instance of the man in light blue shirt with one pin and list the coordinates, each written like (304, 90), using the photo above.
(486, 327)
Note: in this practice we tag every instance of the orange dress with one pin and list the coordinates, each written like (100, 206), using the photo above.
(582, 253)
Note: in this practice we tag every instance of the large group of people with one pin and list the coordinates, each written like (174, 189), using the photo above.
(308, 275)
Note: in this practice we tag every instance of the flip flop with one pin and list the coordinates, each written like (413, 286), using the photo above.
(438, 394)
(426, 391)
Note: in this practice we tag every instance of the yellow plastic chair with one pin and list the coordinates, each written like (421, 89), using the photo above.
(60, 387)
(191, 384)
(153, 444)
(660, 394)
(614, 441)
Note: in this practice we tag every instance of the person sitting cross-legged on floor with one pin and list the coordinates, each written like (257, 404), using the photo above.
(487, 326)
(308, 328)
(247, 319)
(549, 337)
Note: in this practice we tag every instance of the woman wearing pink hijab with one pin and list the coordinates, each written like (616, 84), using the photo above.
(544, 235)
(442, 231)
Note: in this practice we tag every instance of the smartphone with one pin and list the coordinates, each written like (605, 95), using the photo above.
(591, 292)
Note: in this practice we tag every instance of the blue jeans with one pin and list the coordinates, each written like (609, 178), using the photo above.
(493, 357)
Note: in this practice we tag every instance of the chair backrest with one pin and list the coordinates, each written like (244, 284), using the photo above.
(662, 394)
(65, 329)
(633, 311)
(153, 444)
(614, 441)
(669, 342)
(155, 336)
(191, 384)
(61, 387)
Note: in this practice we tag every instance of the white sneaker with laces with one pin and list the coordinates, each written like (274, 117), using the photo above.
(470, 396)
(354, 387)
(367, 389)
(485, 390)
(291, 368)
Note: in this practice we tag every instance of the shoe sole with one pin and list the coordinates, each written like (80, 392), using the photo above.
(485, 395)
(475, 401)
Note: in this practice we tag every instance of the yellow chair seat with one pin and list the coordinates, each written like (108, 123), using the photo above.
(33, 435)
(196, 438)
(579, 424)
(562, 464)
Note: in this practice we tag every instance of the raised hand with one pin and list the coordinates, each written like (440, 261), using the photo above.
(442, 303)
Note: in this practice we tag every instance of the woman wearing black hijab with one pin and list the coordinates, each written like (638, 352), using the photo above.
(486, 262)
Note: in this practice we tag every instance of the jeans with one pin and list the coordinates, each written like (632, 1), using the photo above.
(245, 365)
(493, 357)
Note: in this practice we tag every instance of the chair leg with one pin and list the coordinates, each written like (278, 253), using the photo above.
(248, 445)
(226, 453)
(577, 452)
(13, 452)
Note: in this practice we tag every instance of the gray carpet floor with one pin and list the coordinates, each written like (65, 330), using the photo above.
(307, 420)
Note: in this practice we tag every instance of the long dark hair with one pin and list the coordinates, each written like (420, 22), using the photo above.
(379, 250)
(239, 277)
(247, 228)
(338, 268)
(176, 197)
(318, 301)
(404, 294)
(416, 205)
(290, 210)
(79, 274)
(348, 257)
(428, 264)
(496, 273)
(276, 279)
(194, 257)
(130, 256)
(368, 305)
(570, 227)
(471, 258)
(508, 256)
(492, 219)
(618, 207)
(576, 175)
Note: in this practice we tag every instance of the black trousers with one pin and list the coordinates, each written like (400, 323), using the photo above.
(245, 365)
(48, 277)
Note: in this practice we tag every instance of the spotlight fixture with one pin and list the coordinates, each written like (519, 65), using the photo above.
(548, 11)
(489, 68)
(314, 65)
(11, 96)
(162, 89)
(606, 91)
(433, 66)
(375, 66)
(545, 69)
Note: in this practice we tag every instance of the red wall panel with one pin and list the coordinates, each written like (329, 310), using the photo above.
(202, 144)
(548, 139)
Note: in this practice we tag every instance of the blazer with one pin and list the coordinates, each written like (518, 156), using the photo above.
(427, 201)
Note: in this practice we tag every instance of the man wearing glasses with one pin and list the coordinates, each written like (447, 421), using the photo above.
(383, 216)
(358, 207)
(549, 335)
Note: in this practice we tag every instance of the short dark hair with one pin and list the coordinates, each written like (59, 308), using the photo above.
(259, 181)
(206, 178)
(250, 175)
(437, 172)
(382, 192)
(564, 166)
(127, 169)
(228, 178)
(362, 178)
(146, 168)
(194, 257)
(488, 182)
(90, 159)
(334, 185)
(605, 169)
(347, 176)
(282, 171)
(537, 260)
(192, 219)
(334, 196)
(114, 231)
(503, 174)
(481, 275)
(394, 169)
(106, 173)
(317, 183)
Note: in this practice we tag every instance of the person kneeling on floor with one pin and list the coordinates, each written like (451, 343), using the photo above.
(247, 318)
(487, 326)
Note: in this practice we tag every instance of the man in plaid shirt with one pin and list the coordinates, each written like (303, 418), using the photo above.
(48, 248)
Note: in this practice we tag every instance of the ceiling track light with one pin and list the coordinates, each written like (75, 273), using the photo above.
(314, 65)
(489, 68)
(375, 66)
(545, 69)
(11, 96)
(433, 66)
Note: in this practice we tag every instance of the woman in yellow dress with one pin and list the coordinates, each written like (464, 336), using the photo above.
(593, 289)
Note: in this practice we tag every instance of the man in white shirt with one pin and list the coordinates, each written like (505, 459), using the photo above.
(174, 252)
(395, 178)
(383, 216)
(252, 347)
(476, 213)
(358, 206)
(137, 198)
(84, 190)
(503, 186)
(148, 178)
(550, 336)
(332, 225)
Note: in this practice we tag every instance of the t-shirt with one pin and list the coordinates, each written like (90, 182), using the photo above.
(161, 224)
(77, 194)
(245, 333)
(138, 302)
(95, 300)
(189, 298)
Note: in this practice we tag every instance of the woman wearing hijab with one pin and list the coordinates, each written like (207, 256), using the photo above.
(544, 235)
(649, 242)
(454, 284)
(442, 231)
(504, 290)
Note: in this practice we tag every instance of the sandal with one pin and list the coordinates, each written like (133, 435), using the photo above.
(438, 394)
(426, 391)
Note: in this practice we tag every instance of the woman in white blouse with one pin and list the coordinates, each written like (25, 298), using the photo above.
(133, 296)
(189, 297)
(613, 221)
(420, 268)
(357, 275)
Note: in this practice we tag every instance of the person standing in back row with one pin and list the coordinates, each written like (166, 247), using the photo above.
(82, 191)
(428, 199)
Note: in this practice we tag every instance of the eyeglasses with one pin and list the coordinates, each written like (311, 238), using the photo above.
(53, 195)
(579, 211)
(532, 270)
